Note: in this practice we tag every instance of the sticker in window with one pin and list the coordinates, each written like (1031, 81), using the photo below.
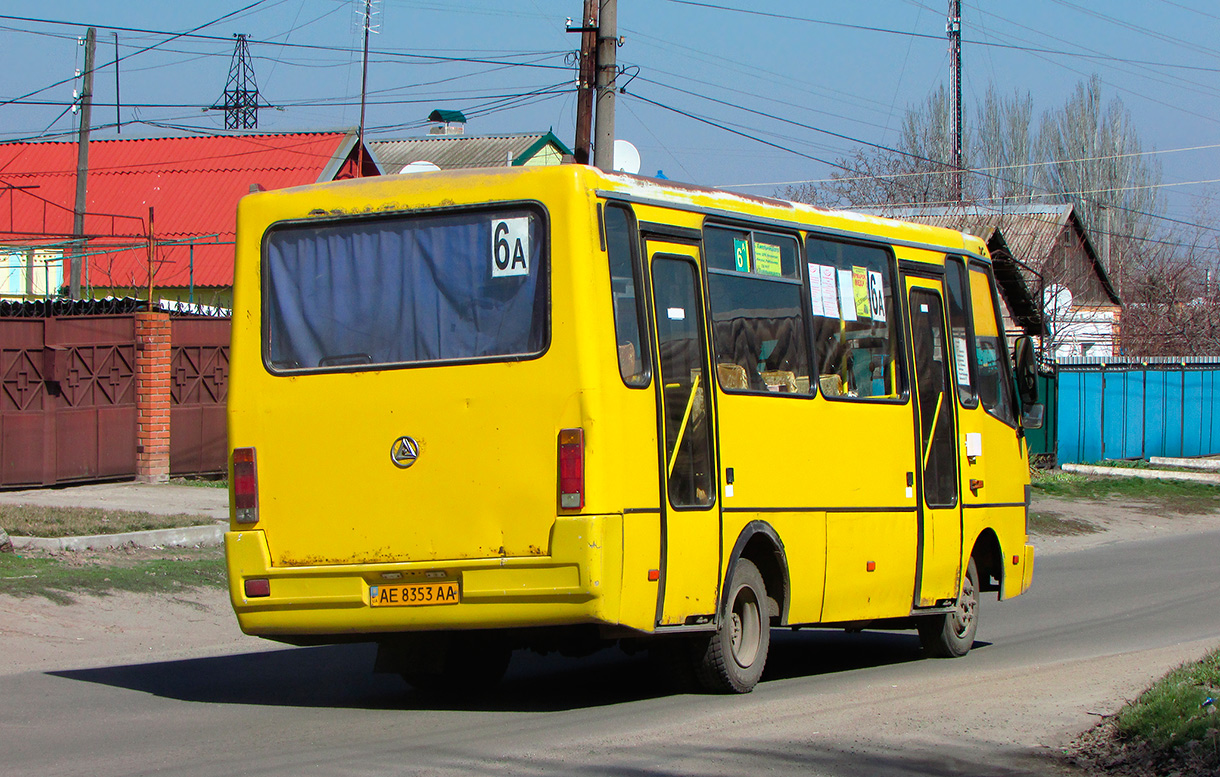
(859, 288)
(847, 305)
(963, 366)
(766, 260)
(510, 247)
(741, 255)
(876, 296)
(676, 314)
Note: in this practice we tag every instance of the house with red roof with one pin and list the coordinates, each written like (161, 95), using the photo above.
(160, 206)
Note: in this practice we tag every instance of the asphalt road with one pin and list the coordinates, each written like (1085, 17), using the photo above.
(1097, 626)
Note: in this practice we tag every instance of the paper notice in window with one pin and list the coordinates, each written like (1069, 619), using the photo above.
(961, 358)
(859, 291)
(767, 260)
(847, 305)
(830, 297)
(815, 290)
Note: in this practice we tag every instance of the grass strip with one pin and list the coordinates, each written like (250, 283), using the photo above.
(1170, 496)
(1176, 722)
(43, 521)
(61, 577)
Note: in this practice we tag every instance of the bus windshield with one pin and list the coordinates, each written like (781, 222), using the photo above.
(398, 290)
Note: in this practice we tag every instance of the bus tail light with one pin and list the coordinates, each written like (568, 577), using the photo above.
(571, 468)
(245, 486)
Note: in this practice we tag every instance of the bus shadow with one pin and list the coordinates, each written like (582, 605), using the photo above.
(340, 676)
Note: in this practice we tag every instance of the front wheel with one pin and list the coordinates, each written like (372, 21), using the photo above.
(733, 658)
(951, 635)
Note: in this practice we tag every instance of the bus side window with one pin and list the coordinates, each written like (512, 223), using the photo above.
(754, 289)
(622, 247)
(856, 340)
(995, 382)
(965, 356)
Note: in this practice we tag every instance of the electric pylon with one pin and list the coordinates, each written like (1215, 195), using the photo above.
(241, 92)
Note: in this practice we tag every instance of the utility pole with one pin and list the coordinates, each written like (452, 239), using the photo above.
(586, 81)
(955, 93)
(364, 86)
(118, 101)
(82, 167)
(607, 70)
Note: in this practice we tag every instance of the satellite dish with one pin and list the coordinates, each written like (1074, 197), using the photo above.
(419, 167)
(626, 158)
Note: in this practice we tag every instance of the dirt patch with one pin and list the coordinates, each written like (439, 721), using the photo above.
(121, 628)
(1104, 750)
(1112, 520)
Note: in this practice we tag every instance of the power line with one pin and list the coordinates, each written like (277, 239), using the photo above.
(173, 36)
(938, 38)
(721, 126)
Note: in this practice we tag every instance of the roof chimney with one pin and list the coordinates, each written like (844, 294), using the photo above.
(450, 122)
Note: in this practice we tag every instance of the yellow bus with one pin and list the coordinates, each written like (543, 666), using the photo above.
(555, 408)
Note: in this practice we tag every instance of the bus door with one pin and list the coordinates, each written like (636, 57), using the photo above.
(940, 522)
(690, 520)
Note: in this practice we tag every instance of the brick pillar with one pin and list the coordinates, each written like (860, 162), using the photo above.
(152, 397)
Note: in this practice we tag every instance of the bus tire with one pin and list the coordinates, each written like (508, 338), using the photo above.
(951, 635)
(459, 663)
(733, 658)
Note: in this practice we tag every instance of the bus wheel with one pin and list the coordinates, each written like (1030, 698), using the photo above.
(951, 635)
(461, 663)
(734, 656)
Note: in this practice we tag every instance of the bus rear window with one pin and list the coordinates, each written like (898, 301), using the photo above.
(405, 290)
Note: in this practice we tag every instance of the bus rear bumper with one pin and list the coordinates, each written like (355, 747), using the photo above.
(576, 583)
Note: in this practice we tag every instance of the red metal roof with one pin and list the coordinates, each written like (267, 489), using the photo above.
(193, 184)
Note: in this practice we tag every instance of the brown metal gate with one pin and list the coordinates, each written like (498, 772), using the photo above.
(199, 383)
(68, 404)
(68, 398)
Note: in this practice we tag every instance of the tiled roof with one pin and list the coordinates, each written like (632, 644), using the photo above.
(453, 152)
(1029, 231)
(193, 184)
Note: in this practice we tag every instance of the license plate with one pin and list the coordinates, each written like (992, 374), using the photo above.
(413, 594)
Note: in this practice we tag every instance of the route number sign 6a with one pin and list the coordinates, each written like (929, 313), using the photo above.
(510, 247)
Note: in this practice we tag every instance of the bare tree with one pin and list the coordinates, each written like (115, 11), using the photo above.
(1093, 158)
(1087, 152)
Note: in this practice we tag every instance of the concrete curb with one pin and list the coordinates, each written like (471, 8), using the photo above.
(1147, 474)
(189, 536)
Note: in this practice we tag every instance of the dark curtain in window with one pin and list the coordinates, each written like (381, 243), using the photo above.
(393, 291)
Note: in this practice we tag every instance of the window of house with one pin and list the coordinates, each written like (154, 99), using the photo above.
(855, 332)
(754, 289)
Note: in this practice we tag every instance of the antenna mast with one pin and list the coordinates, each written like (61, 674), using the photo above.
(954, 29)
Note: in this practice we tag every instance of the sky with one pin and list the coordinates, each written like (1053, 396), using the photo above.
(744, 94)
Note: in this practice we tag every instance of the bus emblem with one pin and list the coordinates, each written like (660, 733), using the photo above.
(404, 452)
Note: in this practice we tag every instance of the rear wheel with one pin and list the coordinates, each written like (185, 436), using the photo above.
(951, 635)
(733, 658)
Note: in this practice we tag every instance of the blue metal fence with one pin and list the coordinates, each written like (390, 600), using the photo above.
(1115, 409)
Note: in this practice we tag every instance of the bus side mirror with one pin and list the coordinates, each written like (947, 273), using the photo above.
(1027, 372)
(1031, 418)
